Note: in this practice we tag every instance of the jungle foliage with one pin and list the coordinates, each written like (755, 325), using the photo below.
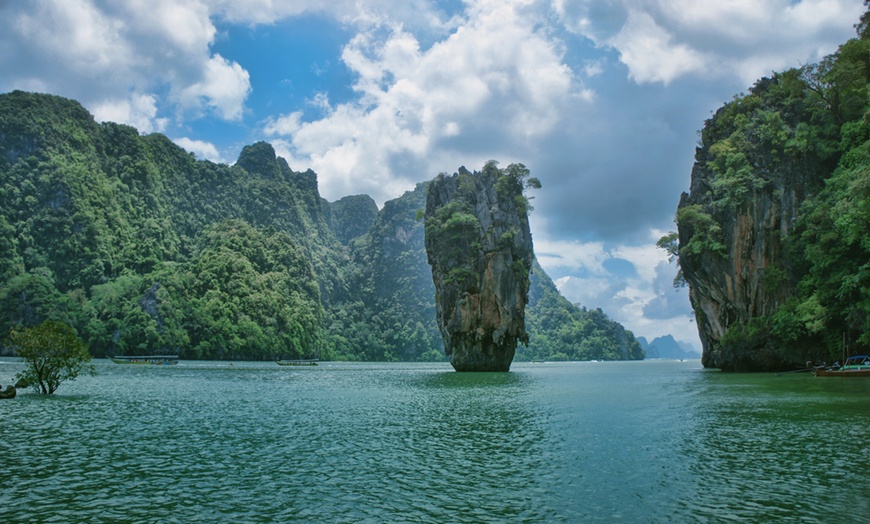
(141, 248)
(813, 120)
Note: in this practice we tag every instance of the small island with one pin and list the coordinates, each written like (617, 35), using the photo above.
(479, 246)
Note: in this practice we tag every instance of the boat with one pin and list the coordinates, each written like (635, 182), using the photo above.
(156, 360)
(855, 366)
(298, 362)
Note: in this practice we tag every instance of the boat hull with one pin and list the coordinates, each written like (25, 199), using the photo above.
(296, 362)
(842, 372)
(155, 360)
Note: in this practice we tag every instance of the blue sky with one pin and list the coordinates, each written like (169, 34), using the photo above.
(601, 99)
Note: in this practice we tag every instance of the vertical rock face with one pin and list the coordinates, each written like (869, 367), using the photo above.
(748, 276)
(751, 175)
(480, 249)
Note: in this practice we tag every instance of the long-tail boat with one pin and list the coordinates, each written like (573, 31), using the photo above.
(157, 360)
(854, 366)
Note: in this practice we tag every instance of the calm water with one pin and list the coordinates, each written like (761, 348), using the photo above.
(656, 441)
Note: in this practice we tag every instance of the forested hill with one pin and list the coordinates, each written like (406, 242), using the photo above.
(143, 249)
(774, 237)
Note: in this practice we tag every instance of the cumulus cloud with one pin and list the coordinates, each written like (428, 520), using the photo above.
(572, 255)
(283, 125)
(99, 52)
(200, 148)
(139, 111)
(223, 87)
(493, 85)
(651, 53)
(662, 40)
(587, 292)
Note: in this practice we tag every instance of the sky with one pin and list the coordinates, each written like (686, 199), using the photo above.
(601, 99)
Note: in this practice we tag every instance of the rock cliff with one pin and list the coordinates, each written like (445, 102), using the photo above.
(480, 249)
(735, 224)
(773, 238)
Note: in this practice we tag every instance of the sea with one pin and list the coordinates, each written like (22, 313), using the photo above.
(649, 441)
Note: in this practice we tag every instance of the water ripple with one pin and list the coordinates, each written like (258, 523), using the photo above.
(637, 442)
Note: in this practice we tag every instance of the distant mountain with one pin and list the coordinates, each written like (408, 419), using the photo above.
(144, 249)
(667, 347)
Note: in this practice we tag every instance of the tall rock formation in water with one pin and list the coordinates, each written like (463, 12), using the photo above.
(480, 249)
(743, 272)
(140, 247)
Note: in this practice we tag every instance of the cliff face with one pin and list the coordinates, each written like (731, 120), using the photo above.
(751, 279)
(773, 238)
(480, 249)
(748, 183)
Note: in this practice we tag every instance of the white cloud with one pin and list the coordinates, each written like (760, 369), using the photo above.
(588, 292)
(645, 258)
(223, 86)
(283, 125)
(139, 111)
(588, 257)
(651, 53)
(200, 148)
(99, 51)
(496, 80)
(662, 40)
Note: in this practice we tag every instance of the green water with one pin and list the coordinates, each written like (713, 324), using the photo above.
(657, 441)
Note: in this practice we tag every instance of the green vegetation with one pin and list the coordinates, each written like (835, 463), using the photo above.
(52, 353)
(805, 130)
(141, 248)
(559, 330)
(390, 313)
(351, 217)
(705, 233)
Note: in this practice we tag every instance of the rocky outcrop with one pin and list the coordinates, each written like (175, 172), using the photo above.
(350, 217)
(734, 227)
(480, 249)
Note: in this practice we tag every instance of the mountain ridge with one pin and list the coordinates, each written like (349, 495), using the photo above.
(143, 248)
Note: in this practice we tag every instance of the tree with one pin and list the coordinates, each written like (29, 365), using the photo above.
(53, 353)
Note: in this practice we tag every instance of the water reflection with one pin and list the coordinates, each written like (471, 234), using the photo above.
(456, 379)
